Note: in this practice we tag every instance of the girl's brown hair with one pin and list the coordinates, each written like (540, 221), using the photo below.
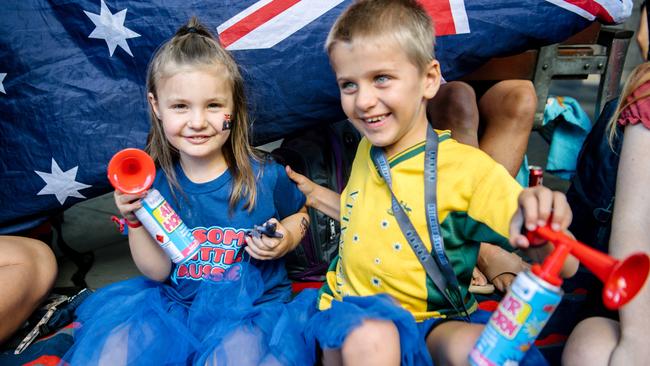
(193, 45)
(639, 76)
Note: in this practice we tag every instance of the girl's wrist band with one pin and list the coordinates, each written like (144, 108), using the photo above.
(123, 223)
(132, 225)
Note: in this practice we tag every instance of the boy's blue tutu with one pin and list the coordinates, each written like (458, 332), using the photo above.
(143, 322)
(332, 326)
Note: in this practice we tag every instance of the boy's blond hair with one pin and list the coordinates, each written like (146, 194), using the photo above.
(403, 21)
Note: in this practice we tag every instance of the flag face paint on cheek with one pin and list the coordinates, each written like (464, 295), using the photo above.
(227, 122)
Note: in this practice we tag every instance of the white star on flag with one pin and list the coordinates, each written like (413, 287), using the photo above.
(2, 77)
(61, 184)
(110, 27)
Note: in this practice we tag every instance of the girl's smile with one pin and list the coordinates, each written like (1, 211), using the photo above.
(197, 139)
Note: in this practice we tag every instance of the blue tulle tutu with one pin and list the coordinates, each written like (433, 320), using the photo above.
(330, 327)
(143, 322)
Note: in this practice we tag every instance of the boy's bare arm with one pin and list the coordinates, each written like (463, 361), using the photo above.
(320, 198)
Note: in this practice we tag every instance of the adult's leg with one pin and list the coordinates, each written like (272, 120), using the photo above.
(375, 342)
(27, 272)
(507, 111)
(454, 108)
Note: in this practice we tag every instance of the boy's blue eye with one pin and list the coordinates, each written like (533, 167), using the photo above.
(382, 79)
(178, 106)
(348, 87)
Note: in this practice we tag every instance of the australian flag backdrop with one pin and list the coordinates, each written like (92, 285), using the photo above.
(72, 74)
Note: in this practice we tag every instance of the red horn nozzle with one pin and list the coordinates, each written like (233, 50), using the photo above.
(131, 171)
(622, 279)
(626, 280)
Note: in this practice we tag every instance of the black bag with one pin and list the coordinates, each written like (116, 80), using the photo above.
(591, 194)
(325, 156)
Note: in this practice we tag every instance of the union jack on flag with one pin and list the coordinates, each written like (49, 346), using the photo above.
(72, 74)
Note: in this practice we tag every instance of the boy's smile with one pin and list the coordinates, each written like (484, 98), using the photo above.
(383, 93)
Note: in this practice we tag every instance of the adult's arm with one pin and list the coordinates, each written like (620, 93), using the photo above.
(631, 233)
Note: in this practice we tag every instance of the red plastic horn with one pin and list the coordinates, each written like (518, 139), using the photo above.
(622, 279)
(131, 171)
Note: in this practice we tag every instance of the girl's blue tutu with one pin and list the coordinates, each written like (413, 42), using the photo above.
(331, 327)
(143, 322)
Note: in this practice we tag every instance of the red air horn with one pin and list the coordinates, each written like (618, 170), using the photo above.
(131, 171)
(622, 279)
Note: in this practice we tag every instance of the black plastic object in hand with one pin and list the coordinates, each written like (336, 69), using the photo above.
(267, 229)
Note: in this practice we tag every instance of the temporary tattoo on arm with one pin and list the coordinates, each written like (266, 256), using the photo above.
(304, 225)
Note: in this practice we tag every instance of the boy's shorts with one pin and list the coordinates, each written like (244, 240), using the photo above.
(533, 356)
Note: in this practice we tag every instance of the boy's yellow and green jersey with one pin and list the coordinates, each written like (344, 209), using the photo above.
(476, 201)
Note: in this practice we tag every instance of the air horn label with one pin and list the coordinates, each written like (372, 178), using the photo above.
(164, 224)
(517, 321)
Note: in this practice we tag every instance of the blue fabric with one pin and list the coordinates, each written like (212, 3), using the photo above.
(568, 136)
(330, 327)
(212, 304)
(72, 89)
(138, 324)
(523, 174)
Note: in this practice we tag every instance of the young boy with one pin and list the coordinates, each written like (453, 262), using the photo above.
(382, 54)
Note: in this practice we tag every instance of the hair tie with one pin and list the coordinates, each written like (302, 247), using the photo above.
(191, 30)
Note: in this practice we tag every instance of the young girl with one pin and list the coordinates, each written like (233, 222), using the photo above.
(228, 304)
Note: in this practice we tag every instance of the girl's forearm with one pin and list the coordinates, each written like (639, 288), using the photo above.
(148, 256)
(296, 226)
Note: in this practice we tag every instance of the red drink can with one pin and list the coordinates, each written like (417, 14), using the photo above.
(536, 175)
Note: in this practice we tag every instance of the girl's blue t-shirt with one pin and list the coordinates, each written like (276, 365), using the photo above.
(204, 208)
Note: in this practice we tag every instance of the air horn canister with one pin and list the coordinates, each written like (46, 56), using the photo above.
(132, 171)
(535, 294)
